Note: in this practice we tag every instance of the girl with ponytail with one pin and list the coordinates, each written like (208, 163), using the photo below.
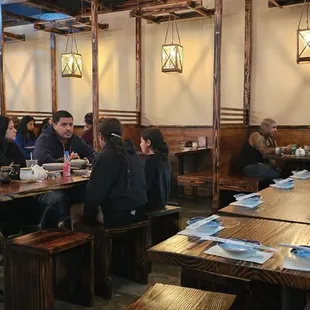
(157, 168)
(115, 194)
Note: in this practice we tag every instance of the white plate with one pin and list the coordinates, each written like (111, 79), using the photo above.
(283, 186)
(53, 166)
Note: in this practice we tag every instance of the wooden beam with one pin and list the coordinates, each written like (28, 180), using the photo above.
(53, 48)
(11, 1)
(44, 5)
(20, 17)
(2, 77)
(14, 36)
(217, 103)
(247, 59)
(95, 73)
(49, 29)
(275, 3)
(138, 67)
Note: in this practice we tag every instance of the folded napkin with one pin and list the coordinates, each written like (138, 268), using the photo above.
(295, 263)
(39, 173)
(258, 257)
(194, 233)
(247, 203)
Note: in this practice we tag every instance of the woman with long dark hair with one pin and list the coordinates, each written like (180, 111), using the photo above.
(25, 137)
(116, 193)
(10, 152)
(157, 168)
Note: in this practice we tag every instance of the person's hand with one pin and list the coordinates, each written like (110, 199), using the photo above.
(99, 217)
(288, 148)
(74, 156)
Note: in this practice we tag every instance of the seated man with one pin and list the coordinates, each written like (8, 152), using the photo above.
(259, 144)
(59, 137)
(49, 148)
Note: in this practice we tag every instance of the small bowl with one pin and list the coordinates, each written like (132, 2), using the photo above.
(77, 163)
(53, 166)
(237, 249)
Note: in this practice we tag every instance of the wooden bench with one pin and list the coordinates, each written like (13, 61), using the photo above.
(121, 251)
(163, 297)
(48, 264)
(238, 182)
(164, 224)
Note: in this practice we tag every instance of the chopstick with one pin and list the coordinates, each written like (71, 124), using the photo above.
(243, 243)
(297, 247)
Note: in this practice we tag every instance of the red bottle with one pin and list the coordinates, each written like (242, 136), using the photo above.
(66, 170)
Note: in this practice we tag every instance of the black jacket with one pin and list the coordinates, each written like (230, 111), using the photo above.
(10, 153)
(118, 188)
(157, 175)
(49, 149)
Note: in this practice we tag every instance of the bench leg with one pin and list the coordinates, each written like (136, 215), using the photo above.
(129, 256)
(74, 275)
(28, 281)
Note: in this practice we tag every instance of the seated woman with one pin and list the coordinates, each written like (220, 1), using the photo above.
(157, 168)
(258, 145)
(25, 134)
(45, 123)
(87, 135)
(115, 194)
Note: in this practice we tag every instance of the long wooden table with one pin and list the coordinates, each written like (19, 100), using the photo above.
(188, 252)
(282, 205)
(20, 189)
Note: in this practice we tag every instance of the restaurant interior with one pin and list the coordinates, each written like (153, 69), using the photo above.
(207, 74)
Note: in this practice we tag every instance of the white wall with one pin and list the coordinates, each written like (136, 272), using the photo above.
(280, 87)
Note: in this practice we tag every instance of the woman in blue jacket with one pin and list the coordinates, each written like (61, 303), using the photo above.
(25, 137)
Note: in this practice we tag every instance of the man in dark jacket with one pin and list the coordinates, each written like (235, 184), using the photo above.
(58, 138)
(49, 148)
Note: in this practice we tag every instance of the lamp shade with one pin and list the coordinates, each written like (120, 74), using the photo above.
(172, 58)
(71, 65)
(303, 45)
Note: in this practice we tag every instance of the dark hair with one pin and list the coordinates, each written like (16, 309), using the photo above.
(156, 138)
(88, 118)
(44, 124)
(111, 130)
(4, 124)
(22, 128)
(59, 114)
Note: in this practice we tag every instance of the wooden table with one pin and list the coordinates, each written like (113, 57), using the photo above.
(282, 205)
(287, 157)
(20, 189)
(170, 297)
(188, 252)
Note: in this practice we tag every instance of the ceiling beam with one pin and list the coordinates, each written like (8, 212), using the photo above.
(275, 3)
(49, 29)
(14, 36)
(48, 6)
(20, 17)
(11, 1)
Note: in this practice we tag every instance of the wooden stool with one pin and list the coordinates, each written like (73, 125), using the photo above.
(164, 224)
(163, 297)
(121, 251)
(48, 264)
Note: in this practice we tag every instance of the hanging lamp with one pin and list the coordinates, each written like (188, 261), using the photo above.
(172, 53)
(303, 37)
(71, 60)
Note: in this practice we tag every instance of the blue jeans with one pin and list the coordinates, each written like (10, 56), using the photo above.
(55, 206)
(261, 171)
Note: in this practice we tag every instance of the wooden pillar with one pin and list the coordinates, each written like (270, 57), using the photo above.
(217, 102)
(53, 72)
(247, 59)
(95, 75)
(2, 81)
(138, 68)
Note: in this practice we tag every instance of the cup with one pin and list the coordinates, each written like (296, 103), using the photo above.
(278, 151)
(194, 145)
(31, 162)
(15, 171)
(294, 148)
(5, 174)
(26, 174)
(307, 149)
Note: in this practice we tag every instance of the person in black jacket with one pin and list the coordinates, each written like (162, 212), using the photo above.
(58, 138)
(10, 152)
(116, 192)
(157, 168)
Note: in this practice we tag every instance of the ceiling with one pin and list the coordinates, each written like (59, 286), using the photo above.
(283, 3)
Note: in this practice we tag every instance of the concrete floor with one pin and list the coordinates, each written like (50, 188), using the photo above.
(124, 291)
